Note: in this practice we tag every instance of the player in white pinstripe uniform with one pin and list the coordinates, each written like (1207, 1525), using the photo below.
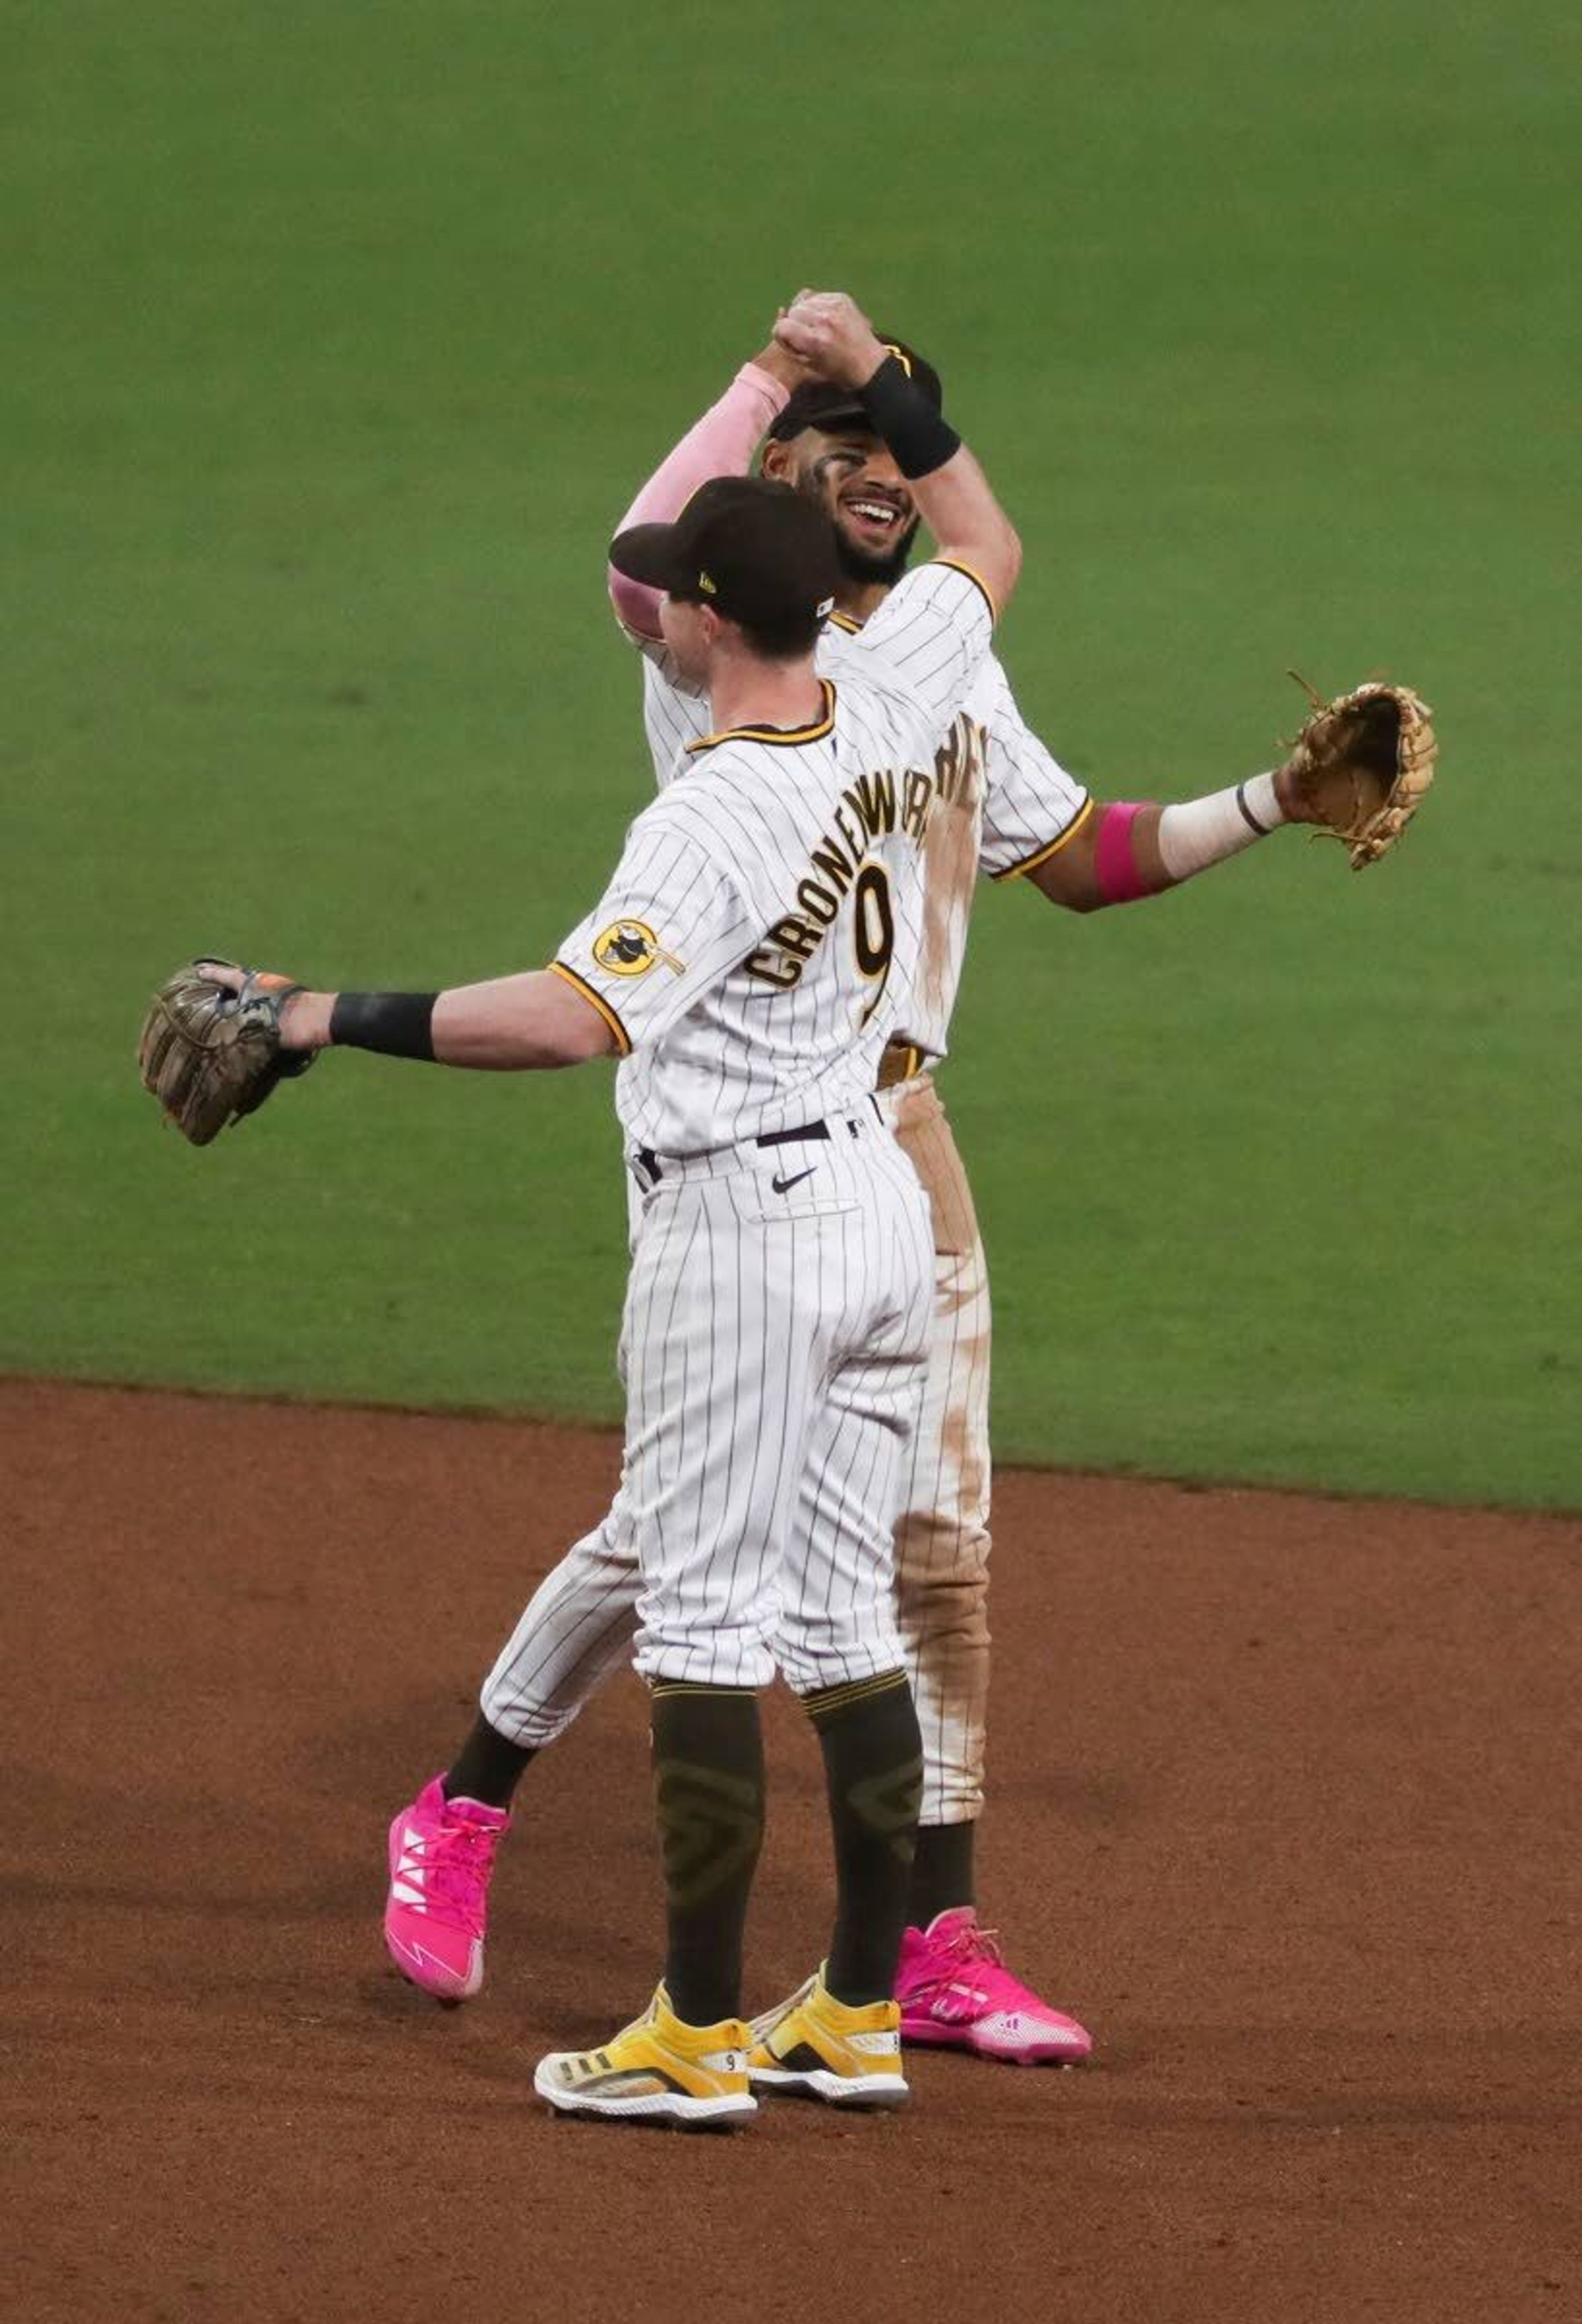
(1004, 808)
(752, 957)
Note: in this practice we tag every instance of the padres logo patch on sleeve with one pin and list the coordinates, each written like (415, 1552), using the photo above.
(631, 948)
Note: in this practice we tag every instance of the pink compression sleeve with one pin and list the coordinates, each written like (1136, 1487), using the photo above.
(721, 444)
(1115, 864)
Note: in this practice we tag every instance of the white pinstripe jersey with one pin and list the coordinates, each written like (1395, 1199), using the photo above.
(1004, 804)
(760, 939)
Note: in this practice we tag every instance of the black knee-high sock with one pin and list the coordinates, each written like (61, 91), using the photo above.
(708, 1797)
(873, 1764)
(487, 1767)
(943, 1875)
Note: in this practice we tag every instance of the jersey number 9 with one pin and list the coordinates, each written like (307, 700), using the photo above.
(873, 930)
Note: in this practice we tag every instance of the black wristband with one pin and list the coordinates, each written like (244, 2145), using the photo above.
(921, 438)
(395, 1024)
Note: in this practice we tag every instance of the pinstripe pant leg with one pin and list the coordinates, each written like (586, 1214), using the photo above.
(726, 1339)
(838, 1621)
(942, 1527)
(578, 1628)
(839, 1617)
(576, 1632)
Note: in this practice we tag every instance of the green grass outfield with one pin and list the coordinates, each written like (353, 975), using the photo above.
(337, 337)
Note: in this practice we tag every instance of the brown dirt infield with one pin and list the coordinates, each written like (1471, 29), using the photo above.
(1283, 1801)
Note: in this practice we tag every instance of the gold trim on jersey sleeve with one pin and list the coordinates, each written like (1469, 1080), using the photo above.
(777, 734)
(954, 565)
(595, 999)
(1031, 862)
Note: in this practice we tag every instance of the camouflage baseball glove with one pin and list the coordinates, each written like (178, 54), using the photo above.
(210, 1055)
(1362, 765)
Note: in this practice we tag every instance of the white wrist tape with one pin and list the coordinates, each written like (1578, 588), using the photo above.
(1200, 832)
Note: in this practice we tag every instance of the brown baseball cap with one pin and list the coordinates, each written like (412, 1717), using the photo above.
(758, 552)
(818, 404)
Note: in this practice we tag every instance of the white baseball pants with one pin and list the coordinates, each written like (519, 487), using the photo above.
(775, 1342)
(581, 1623)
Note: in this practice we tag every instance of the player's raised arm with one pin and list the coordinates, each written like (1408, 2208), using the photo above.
(671, 924)
(1084, 853)
(1043, 825)
(827, 331)
(511, 1024)
(721, 444)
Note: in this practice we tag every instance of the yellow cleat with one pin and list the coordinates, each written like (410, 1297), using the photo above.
(815, 2046)
(655, 2069)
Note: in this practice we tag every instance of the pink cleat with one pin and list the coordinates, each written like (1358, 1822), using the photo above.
(956, 1992)
(441, 1859)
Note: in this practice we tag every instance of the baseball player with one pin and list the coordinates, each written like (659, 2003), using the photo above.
(1003, 809)
(751, 959)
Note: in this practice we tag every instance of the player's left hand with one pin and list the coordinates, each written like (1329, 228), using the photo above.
(780, 363)
(212, 1048)
(830, 334)
(297, 1011)
(1360, 768)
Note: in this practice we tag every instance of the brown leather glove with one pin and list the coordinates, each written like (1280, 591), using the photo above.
(210, 1055)
(1362, 765)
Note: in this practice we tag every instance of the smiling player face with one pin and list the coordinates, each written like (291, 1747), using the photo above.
(851, 474)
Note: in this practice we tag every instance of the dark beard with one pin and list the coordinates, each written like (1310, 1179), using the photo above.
(864, 565)
(859, 565)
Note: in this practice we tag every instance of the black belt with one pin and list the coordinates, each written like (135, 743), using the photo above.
(899, 1061)
(790, 1136)
(805, 1133)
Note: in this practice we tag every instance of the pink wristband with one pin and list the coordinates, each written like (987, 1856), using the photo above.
(1115, 864)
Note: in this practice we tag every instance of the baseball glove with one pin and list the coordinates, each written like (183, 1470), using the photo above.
(1362, 765)
(209, 1054)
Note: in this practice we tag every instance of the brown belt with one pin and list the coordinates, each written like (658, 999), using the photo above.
(900, 1062)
